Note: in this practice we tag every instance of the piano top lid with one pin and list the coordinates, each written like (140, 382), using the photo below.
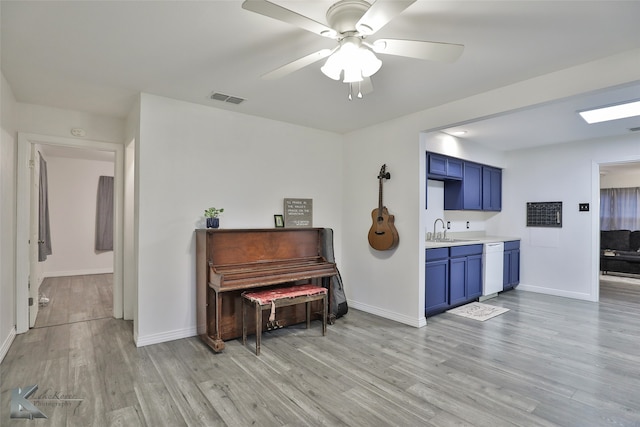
(237, 246)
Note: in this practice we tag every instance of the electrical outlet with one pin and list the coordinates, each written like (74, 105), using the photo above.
(448, 225)
(467, 225)
(583, 207)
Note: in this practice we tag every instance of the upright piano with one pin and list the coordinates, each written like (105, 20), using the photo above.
(231, 261)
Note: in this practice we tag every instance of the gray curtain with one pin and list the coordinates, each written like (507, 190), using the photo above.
(104, 214)
(44, 230)
(620, 208)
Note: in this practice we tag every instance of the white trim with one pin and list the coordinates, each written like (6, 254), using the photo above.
(161, 337)
(555, 292)
(7, 343)
(78, 272)
(25, 140)
(595, 232)
(416, 323)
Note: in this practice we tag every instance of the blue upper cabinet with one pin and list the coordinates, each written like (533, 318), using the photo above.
(467, 185)
(467, 193)
(443, 167)
(491, 189)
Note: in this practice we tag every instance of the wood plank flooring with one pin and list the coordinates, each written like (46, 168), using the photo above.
(549, 361)
(75, 299)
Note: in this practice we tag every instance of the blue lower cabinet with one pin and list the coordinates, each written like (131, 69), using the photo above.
(474, 276)
(437, 290)
(453, 276)
(457, 280)
(511, 265)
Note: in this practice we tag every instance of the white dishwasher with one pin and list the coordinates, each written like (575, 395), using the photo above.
(492, 269)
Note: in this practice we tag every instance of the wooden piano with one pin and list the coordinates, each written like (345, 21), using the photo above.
(231, 261)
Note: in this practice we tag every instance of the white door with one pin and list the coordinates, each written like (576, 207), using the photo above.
(34, 242)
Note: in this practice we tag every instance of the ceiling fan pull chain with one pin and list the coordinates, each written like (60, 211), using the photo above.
(359, 90)
(350, 91)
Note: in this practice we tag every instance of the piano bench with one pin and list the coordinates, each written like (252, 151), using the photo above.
(282, 297)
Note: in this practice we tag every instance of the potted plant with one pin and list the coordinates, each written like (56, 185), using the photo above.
(211, 215)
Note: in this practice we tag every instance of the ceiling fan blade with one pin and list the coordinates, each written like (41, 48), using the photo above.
(379, 14)
(297, 64)
(433, 51)
(272, 10)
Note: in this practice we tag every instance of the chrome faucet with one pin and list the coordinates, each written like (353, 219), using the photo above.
(443, 227)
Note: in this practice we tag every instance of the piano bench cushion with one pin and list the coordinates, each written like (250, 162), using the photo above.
(267, 296)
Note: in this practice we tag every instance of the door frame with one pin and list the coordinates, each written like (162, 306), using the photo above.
(23, 215)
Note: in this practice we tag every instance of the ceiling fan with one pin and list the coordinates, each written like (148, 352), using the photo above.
(350, 22)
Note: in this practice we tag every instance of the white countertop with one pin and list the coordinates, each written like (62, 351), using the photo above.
(462, 240)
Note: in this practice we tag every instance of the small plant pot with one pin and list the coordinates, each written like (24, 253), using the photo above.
(213, 222)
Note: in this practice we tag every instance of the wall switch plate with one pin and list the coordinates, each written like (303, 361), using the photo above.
(583, 207)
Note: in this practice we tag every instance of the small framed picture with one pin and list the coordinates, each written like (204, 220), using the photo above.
(278, 220)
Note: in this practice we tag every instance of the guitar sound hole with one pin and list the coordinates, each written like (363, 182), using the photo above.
(379, 233)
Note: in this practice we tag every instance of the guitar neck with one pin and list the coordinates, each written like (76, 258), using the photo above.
(380, 199)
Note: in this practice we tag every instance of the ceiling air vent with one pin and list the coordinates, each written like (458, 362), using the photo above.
(226, 98)
(636, 129)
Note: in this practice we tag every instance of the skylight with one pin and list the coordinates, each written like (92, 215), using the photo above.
(611, 112)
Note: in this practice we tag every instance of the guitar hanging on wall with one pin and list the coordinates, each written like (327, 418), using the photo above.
(382, 234)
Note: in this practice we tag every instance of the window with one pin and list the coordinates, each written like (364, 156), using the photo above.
(620, 208)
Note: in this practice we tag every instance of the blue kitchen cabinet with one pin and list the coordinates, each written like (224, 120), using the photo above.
(436, 279)
(474, 276)
(453, 276)
(491, 188)
(465, 194)
(457, 280)
(443, 167)
(511, 265)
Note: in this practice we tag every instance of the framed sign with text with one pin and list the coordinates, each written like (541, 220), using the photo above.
(298, 213)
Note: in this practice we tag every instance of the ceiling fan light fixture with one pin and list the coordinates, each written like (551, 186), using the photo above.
(369, 62)
(354, 59)
(332, 68)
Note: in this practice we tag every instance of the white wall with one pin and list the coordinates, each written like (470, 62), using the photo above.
(558, 260)
(73, 186)
(192, 157)
(8, 138)
(51, 121)
(621, 179)
(391, 284)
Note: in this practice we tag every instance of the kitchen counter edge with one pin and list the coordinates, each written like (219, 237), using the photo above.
(471, 241)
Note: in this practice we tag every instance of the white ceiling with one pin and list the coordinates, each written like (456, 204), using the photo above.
(96, 56)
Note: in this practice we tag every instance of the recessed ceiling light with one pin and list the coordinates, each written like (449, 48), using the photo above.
(455, 132)
(611, 112)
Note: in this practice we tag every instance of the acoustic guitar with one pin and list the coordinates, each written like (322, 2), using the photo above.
(382, 234)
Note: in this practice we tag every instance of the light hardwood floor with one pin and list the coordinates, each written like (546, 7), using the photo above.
(75, 299)
(549, 361)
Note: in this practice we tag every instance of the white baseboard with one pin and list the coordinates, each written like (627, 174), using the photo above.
(161, 337)
(555, 292)
(78, 272)
(7, 343)
(416, 323)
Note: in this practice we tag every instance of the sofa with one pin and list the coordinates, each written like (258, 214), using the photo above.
(620, 251)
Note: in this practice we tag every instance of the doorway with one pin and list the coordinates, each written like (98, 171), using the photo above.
(26, 246)
(75, 277)
(623, 178)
